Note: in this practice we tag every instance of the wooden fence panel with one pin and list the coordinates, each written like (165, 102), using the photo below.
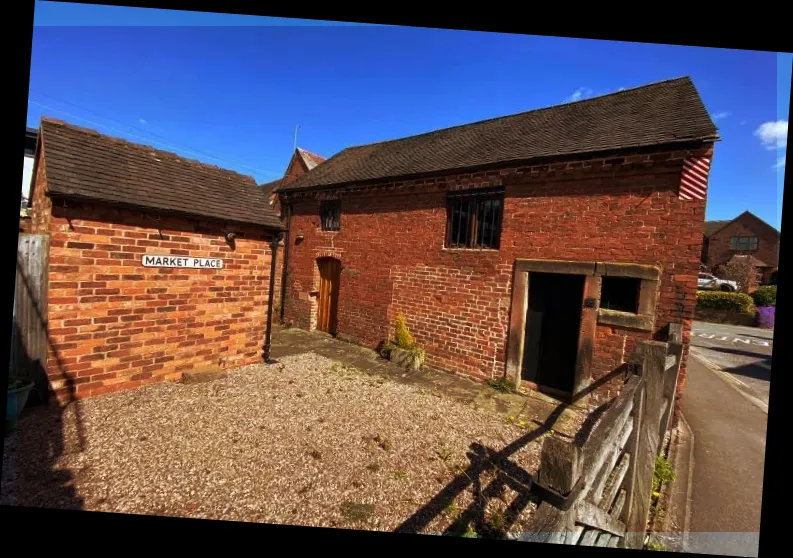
(29, 334)
(604, 486)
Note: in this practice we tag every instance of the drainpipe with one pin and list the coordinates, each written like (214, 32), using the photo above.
(274, 245)
(285, 270)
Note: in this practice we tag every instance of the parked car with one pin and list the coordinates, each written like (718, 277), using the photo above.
(709, 282)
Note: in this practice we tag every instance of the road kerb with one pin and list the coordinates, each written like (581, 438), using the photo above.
(729, 379)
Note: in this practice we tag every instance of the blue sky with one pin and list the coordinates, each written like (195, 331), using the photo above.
(229, 89)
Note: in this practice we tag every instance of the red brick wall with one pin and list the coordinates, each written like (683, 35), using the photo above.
(296, 168)
(115, 324)
(457, 301)
(41, 204)
(745, 225)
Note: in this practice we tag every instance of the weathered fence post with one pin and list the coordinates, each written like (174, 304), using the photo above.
(645, 441)
(672, 375)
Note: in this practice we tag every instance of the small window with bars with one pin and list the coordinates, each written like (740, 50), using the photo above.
(330, 215)
(744, 243)
(473, 219)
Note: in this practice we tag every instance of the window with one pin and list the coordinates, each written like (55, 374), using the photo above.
(744, 243)
(620, 294)
(473, 219)
(330, 215)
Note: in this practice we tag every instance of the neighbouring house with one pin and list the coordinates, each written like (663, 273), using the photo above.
(31, 135)
(746, 235)
(157, 264)
(542, 246)
(301, 162)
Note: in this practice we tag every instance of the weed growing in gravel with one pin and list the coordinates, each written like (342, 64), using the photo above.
(469, 533)
(400, 474)
(656, 545)
(497, 524)
(444, 453)
(357, 512)
(503, 385)
(383, 442)
(450, 510)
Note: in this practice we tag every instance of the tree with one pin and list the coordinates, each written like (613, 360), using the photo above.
(742, 270)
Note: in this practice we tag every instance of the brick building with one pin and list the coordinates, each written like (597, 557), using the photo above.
(746, 235)
(157, 264)
(542, 245)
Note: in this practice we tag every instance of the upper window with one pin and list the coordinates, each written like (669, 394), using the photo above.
(330, 215)
(620, 293)
(473, 219)
(744, 243)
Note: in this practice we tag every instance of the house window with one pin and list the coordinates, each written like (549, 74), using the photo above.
(330, 215)
(620, 294)
(744, 243)
(473, 219)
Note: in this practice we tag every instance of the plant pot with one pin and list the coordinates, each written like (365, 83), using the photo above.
(18, 391)
(409, 359)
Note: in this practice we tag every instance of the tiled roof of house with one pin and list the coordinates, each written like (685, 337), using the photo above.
(666, 112)
(86, 164)
(311, 159)
(713, 226)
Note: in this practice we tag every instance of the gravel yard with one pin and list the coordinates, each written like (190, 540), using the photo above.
(307, 441)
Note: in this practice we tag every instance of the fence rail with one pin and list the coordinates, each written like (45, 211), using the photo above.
(604, 485)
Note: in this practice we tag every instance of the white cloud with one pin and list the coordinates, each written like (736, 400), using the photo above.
(142, 121)
(580, 93)
(780, 163)
(621, 89)
(773, 135)
(720, 115)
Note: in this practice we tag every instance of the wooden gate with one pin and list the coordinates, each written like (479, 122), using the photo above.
(602, 489)
(329, 275)
(29, 335)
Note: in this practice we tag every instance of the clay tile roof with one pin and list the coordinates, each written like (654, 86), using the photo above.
(86, 164)
(713, 226)
(311, 159)
(660, 113)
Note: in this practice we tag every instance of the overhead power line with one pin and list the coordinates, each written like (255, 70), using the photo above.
(166, 142)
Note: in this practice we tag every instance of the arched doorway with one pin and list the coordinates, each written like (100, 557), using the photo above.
(328, 299)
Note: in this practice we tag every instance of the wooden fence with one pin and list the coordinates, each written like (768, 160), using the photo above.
(29, 334)
(603, 486)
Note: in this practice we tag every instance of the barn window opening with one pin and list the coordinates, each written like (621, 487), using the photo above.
(330, 215)
(473, 219)
(744, 243)
(620, 294)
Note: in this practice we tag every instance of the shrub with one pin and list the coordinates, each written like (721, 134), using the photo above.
(765, 296)
(725, 301)
(663, 473)
(404, 340)
(765, 317)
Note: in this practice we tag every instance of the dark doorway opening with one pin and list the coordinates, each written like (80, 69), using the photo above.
(553, 322)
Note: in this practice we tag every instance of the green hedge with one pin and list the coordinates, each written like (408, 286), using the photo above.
(765, 295)
(725, 301)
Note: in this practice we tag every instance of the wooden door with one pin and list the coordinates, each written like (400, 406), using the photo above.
(328, 300)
